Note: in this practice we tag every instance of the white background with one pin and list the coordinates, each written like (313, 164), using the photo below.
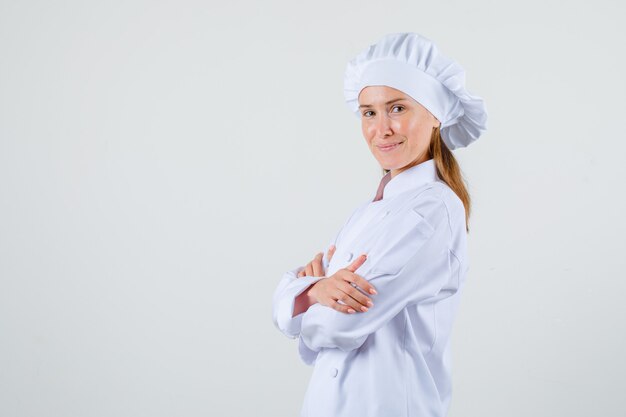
(162, 163)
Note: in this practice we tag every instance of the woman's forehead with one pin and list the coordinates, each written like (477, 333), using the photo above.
(381, 94)
(380, 89)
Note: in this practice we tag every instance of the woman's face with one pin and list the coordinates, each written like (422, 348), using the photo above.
(389, 117)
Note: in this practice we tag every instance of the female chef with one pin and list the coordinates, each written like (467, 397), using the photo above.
(374, 313)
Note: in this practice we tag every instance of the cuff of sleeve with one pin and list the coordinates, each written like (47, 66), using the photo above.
(285, 321)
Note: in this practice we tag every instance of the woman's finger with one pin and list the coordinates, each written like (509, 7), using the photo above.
(341, 292)
(318, 269)
(360, 299)
(357, 279)
(361, 282)
(343, 308)
(331, 252)
(357, 263)
(326, 293)
(351, 302)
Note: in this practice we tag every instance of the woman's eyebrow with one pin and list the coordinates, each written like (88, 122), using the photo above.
(389, 102)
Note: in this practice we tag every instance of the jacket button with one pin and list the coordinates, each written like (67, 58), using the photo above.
(349, 256)
(334, 372)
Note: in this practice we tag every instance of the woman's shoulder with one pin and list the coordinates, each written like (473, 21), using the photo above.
(436, 192)
(437, 199)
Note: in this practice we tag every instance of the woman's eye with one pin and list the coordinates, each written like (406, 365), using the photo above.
(366, 114)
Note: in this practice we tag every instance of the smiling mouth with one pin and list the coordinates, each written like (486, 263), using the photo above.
(387, 148)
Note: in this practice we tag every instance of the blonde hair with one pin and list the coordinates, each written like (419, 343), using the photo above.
(448, 170)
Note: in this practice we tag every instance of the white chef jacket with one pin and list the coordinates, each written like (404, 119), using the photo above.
(393, 360)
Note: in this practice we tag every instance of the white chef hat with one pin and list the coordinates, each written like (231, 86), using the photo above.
(412, 64)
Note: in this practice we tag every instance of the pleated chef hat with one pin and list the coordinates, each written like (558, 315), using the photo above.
(412, 64)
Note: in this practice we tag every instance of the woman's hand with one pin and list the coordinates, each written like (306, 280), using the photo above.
(342, 286)
(315, 268)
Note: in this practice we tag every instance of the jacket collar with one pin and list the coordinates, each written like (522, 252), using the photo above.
(411, 178)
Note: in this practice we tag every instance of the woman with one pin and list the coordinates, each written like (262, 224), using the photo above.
(374, 313)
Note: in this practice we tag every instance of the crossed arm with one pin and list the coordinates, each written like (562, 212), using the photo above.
(406, 267)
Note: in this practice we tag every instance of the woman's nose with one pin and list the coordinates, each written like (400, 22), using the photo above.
(383, 126)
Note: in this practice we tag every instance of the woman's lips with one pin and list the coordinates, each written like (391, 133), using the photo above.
(388, 148)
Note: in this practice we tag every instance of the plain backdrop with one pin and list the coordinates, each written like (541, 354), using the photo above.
(163, 163)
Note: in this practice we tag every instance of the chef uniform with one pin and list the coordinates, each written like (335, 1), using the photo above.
(393, 360)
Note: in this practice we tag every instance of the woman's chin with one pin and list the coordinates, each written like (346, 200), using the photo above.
(389, 165)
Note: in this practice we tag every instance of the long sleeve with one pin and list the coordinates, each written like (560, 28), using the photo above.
(290, 286)
(410, 262)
